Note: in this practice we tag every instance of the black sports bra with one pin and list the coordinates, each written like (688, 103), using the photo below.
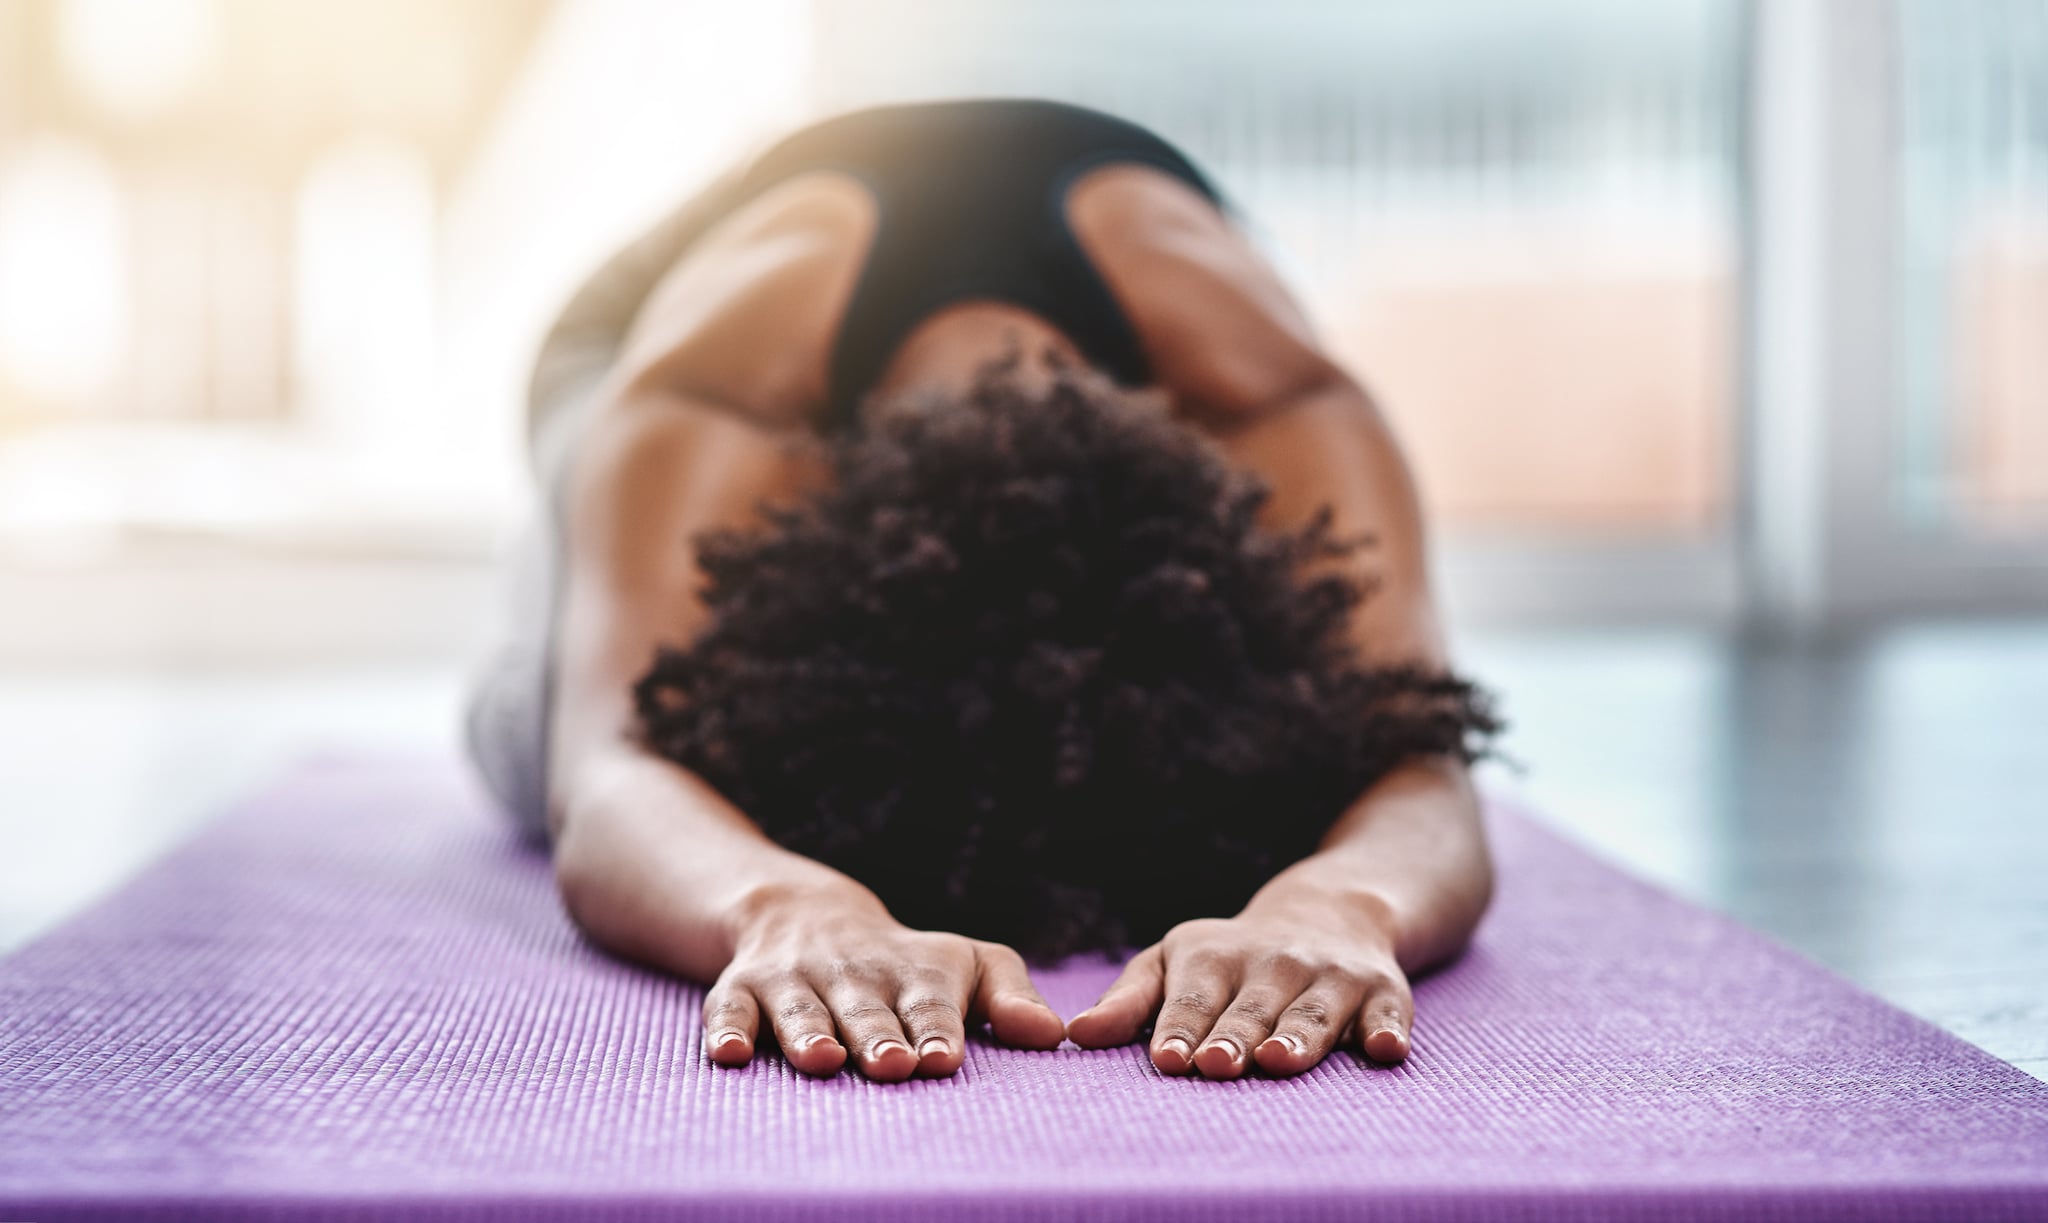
(971, 203)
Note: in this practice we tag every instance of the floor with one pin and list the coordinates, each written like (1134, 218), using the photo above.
(1879, 803)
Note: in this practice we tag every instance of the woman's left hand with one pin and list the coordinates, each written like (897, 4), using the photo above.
(1283, 984)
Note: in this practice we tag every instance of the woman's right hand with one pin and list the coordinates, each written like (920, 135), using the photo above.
(832, 976)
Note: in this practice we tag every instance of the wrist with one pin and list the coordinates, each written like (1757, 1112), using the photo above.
(1362, 913)
(763, 910)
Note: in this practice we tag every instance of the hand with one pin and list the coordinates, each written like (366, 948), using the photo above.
(1281, 984)
(831, 975)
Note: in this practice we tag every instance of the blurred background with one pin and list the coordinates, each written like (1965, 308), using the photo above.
(1718, 332)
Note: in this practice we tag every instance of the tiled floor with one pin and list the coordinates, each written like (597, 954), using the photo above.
(1880, 804)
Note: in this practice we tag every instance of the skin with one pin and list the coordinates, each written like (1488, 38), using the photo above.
(725, 369)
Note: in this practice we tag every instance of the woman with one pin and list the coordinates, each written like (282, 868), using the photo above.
(960, 544)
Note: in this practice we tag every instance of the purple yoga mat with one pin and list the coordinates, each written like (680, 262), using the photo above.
(356, 998)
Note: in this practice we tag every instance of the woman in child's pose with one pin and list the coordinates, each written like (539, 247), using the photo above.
(961, 546)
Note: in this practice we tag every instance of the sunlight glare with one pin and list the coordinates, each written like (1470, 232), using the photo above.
(137, 57)
(64, 291)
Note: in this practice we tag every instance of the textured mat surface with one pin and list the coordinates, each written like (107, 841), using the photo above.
(355, 998)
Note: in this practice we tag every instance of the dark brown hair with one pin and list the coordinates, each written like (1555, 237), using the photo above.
(1029, 669)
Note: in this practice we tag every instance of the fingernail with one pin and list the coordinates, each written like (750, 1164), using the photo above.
(1286, 1043)
(814, 1040)
(1229, 1047)
(728, 1041)
(1178, 1048)
(937, 1046)
(882, 1048)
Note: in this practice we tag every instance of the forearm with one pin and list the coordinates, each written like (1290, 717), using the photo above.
(653, 862)
(655, 865)
(1407, 860)
(1397, 887)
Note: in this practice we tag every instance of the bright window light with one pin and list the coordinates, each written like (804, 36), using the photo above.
(137, 57)
(363, 343)
(64, 290)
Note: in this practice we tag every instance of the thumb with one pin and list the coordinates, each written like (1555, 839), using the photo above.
(1004, 995)
(1126, 1006)
(1386, 1018)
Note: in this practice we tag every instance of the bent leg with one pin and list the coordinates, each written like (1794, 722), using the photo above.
(506, 719)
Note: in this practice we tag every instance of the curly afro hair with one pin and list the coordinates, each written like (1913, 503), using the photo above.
(1029, 670)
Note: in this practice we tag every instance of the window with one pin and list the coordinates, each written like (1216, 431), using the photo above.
(1516, 223)
(1972, 274)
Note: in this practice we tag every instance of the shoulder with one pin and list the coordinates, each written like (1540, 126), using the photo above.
(746, 316)
(1223, 334)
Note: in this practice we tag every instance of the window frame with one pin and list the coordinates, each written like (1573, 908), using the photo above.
(1825, 539)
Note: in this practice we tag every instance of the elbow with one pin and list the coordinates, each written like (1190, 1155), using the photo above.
(587, 876)
(1480, 890)
(1477, 881)
(579, 882)
(1466, 870)
(588, 795)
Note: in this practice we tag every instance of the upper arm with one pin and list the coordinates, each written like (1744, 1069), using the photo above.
(1237, 355)
(650, 474)
(1222, 334)
(1327, 448)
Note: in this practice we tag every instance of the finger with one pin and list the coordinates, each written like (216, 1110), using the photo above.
(1198, 987)
(1005, 996)
(867, 1022)
(931, 1014)
(1312, 1025)
(803, 1027)
(1248, 1020)
(1125, 1007)
(731, 1020)
(1386, 1018)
